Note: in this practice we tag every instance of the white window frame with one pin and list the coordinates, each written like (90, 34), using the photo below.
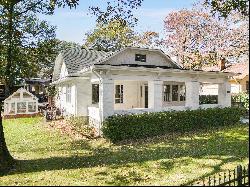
(171, 92)
(119, 99)
(68, 94)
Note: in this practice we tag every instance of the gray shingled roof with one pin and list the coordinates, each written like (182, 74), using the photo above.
(78, 58)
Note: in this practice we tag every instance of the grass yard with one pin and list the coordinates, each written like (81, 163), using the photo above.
(46, 157)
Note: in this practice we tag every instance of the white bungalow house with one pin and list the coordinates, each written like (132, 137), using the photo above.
(133, 80)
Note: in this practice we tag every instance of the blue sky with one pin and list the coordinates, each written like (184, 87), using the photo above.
(73, 24)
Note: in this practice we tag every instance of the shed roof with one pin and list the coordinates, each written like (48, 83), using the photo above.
(21, 90)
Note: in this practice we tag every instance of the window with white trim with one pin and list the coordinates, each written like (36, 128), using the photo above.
(166, 93)
(118, 93)
(174, 92)
(68, 94)
(95, 93)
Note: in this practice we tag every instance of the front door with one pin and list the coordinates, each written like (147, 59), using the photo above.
(146, 96)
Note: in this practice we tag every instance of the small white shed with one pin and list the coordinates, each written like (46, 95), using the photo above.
(21, 102)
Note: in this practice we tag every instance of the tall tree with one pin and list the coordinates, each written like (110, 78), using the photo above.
(21, 31)
(116, 10)
(116, 34)
(111, 36)
(14, 39)
(227, 7)
(44, 54)
(199, 38)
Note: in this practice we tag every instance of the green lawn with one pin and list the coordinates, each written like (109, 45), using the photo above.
(46, 157)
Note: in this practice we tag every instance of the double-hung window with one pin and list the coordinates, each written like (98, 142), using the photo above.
(68, 94)
(95, 93)
(118, 93)
(166, 93)
(174, 92)
(182, 92)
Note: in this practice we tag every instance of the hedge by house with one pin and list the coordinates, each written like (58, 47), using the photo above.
(136, 126)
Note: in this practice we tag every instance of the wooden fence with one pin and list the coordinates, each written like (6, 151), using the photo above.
(237, 177)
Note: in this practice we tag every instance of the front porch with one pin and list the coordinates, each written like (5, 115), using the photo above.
(111, 97)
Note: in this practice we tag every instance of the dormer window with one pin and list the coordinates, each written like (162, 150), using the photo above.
(140, 57)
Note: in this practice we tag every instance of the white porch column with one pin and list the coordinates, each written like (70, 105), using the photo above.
(192, 94)
(155, 95)
(224, 94)
(106, 98)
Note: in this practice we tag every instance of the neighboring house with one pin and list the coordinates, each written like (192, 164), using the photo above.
(239, 82)
(37, 86)
(133, 80)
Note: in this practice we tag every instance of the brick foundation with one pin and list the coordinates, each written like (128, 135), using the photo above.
(21, 116)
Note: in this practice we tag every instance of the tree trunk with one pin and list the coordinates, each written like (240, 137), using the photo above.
(6, 160)
(8, 72)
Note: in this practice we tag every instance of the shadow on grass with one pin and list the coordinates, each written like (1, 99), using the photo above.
(226, 147)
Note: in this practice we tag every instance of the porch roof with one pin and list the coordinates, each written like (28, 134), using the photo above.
(159, 69)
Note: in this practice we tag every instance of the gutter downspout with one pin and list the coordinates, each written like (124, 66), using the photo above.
(100, 114)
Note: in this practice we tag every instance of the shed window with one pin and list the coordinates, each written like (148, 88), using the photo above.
(32, 106)
(21, 107)
(140, 57)
(95, 93)
(10, 108)
(118, 93)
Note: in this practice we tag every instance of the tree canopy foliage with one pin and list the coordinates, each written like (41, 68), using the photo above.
(21, 32)
(111, 36)
(116, 34)
(199, 38)
(116, 10)
(227, 7)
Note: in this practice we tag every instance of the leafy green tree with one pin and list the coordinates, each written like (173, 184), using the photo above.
(21, 32)
(116, 34)
(44, 54)
(227, 7)
(111, 36)
(116, 10)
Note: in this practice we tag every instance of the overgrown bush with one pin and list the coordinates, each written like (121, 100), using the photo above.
(136, 126)
(242, 98)
(80, 125)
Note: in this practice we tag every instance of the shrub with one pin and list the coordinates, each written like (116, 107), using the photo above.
(136, 126)
(242, 98)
